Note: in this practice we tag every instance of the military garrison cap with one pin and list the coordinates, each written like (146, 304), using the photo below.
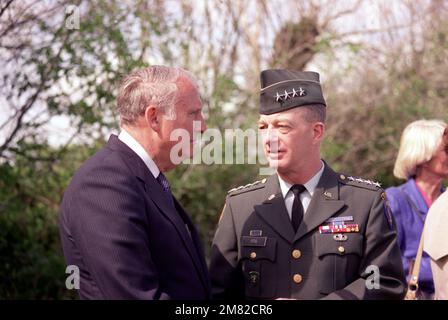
(286, 89)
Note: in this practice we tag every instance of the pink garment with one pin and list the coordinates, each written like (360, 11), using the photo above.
(425, 197)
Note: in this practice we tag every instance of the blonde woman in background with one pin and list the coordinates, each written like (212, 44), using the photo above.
(422, 161)
(436, 240)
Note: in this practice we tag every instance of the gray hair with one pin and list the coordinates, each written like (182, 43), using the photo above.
(314, 113)
(155, 85)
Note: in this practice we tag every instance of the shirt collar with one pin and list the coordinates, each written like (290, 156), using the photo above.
(135, 146)
(310, 185)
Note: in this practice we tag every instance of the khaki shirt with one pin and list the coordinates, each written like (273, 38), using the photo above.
(436, 244)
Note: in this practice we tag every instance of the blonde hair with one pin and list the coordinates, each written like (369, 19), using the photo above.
(419, 142)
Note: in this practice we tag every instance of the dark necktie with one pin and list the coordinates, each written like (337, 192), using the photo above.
(297, 208)
(166, 187)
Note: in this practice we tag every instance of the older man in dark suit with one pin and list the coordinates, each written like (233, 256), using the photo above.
(119, 223)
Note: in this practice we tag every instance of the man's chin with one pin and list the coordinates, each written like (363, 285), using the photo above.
(276, 163)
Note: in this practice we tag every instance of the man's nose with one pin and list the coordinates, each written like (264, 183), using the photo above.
(270, 136)
(271, 140)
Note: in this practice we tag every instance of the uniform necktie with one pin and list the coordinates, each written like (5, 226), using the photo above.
(297, 208)
(166, 187)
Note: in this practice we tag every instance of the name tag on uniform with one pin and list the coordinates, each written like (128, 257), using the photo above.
(255, 233)
(247, 241)
(340, 219)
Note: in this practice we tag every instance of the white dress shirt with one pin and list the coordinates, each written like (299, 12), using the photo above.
(135, 146)
(305, 196)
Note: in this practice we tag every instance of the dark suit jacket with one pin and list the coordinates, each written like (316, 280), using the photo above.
(257, 255)
(117, 226)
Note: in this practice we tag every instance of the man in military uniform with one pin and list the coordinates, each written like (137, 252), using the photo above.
(305, 232)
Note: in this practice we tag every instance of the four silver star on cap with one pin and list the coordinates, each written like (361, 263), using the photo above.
(300, 92)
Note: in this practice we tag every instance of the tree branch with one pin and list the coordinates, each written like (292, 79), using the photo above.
(2, 10)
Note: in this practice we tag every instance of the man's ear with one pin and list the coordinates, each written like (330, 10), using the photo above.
(318, 130)
(152, 118)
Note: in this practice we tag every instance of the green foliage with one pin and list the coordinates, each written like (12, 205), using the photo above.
(366, 122)
(202, 191)
(31, 262)
(75, 73)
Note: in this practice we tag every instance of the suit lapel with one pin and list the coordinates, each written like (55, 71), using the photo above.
(324, 203)
(196, 251)
(273, 210)
(179, 219)
(156, 193)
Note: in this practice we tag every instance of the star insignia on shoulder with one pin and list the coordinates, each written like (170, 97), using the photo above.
(356, 181)
(247, 186)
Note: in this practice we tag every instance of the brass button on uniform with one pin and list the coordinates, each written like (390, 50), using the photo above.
(341, 249)
(297, 278)
(253, 255)
(296, 254)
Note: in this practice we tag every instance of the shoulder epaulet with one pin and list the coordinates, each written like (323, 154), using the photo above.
(248, 187)
(360, 182)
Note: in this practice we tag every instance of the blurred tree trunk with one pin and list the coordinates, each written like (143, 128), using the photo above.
(294, 44)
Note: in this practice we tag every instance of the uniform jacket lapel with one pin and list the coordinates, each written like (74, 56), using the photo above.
(324, 203)
(273, 210)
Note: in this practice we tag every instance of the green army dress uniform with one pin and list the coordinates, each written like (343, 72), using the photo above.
(257, 255)
(346, 233)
